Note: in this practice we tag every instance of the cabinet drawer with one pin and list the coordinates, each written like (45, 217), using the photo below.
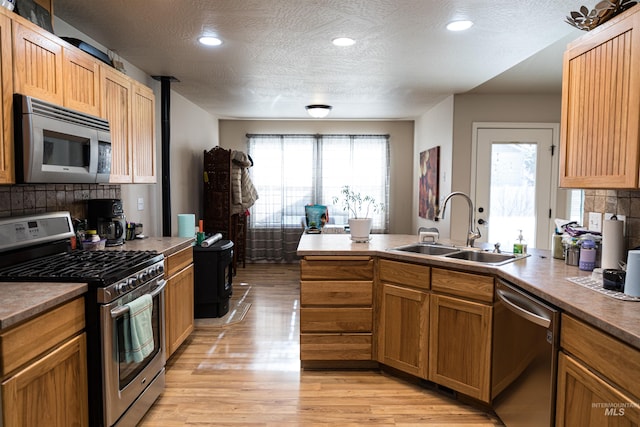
(614, 359)
(336, 268)
(336, 293)
(335, 346)
(335, 319)
(405, 273)
(178, 261)
(466, 285)
(44, 332)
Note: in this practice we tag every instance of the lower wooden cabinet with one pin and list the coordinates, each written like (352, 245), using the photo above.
(585, 399)
(460, 345)
(45, 383)
(598, 378)
(179, 316)
(336, 313)
(404, 328)
(50, 392)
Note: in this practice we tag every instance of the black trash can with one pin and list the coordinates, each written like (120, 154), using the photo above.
(212, 279)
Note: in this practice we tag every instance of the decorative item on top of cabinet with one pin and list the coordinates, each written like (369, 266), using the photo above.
(7, 172)
(600, 123)
(460, 333)
(403, 315)
(598, 378)
(179, 303)
(336, 314)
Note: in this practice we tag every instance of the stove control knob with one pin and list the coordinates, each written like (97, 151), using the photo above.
(131, 283)
(121, 287)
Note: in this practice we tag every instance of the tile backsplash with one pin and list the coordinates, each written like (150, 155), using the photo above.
(617, 202)
(16, 200)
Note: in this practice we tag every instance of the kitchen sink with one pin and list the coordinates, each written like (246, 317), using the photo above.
(452, 252)
(483, 257)
(427, 249)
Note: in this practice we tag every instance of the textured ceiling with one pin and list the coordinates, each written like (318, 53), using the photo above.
(277, 55)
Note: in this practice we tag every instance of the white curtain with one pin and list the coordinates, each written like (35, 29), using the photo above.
(291, 171)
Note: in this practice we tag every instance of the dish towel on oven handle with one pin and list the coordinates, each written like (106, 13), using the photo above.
(138, 329)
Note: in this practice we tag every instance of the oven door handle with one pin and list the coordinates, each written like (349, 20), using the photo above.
(123, 309)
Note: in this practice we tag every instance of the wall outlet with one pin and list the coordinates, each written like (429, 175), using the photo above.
(140, 203)
(622, 218)
(595, 221)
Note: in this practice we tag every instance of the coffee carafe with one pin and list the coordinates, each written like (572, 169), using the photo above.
(107, 217)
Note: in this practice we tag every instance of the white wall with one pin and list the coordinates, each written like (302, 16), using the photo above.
(449, 125)
(434, 128)
(233, 136)
(193, 130)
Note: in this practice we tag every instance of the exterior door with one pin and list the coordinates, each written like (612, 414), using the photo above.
(515, 184)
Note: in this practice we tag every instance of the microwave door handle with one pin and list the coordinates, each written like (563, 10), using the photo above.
(123, 309)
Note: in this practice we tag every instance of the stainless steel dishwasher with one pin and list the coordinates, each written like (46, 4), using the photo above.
(525, 354)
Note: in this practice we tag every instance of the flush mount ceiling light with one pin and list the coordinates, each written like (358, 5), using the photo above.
(343, 41)
(210, 41)
(318, 110)
(459, 25)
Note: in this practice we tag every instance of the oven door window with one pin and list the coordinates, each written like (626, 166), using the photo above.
(128, 370)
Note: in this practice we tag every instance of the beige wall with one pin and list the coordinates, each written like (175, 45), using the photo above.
(233, 136)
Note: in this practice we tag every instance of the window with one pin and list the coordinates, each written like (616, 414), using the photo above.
(291, 171)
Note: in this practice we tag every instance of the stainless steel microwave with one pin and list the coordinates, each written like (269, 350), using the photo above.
(54, 144)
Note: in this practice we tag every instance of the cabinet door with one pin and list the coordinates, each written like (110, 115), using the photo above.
(81, 82)
(37, 63)
(115, 90)
(179, 309)
(7, 174)
(601, 107)
(50, 392)
(460, 345)
(143, 135)
(403, 332)
(585, 400)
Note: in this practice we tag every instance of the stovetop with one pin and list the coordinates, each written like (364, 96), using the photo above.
(96, 267)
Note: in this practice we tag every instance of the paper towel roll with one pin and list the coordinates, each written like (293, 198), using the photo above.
(613, 245)
(186, 225)
(632, 280)
(211, 240)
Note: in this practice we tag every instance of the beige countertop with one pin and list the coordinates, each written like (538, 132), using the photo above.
(539, 274)
(22, 300)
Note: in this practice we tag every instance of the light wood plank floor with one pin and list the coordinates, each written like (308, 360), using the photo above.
(249, 374)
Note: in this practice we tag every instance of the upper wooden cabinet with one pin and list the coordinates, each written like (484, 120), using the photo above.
(115, 93)
(7, 174)
(601, 106)
(143, 134)
(81, 86)
(50, 69)
(37, 62)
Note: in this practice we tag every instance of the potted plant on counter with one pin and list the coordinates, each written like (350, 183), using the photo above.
(358, 209)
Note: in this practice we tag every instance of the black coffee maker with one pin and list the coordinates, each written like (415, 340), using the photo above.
(107, 218)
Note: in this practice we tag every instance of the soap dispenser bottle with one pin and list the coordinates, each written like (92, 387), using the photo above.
(520, 246)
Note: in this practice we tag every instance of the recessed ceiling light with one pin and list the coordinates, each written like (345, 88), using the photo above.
(459, 25)
(210, 41)
(343, 41)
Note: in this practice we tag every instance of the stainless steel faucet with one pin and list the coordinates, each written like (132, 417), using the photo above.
(471, 235)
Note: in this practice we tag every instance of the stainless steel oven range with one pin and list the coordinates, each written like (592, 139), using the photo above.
(123, 381)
